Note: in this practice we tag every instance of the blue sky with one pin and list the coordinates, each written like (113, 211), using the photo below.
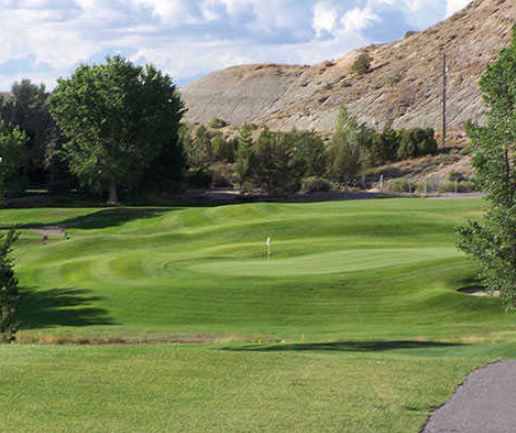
(47, 39)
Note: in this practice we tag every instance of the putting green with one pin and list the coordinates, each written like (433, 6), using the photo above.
(326, 263)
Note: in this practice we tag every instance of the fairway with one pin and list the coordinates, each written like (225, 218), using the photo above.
(355, 322)
(359, 269)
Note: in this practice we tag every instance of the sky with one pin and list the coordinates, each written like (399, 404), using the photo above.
(46, 39)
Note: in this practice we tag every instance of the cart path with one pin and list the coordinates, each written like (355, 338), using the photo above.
(50, 230)
(485, 403)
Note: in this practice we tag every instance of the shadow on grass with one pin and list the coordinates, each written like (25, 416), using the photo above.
(345, 346)
(112, 218)
(60, 307)
(101, 219)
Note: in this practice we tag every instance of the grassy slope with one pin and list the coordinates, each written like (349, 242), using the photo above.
(362, 352)
(155, 273)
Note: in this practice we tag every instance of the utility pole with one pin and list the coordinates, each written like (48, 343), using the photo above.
(445, 85)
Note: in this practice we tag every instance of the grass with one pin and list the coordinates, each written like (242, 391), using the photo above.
(355, 324)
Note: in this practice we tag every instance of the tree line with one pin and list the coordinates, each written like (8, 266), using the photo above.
(286, 162)
(120, 126)
(108, 126)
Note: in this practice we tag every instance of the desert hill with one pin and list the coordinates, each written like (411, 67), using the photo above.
(405, 82)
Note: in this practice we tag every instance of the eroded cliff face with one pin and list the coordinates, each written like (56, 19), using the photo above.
(405, 83)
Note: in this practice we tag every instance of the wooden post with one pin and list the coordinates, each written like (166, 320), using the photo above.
(444, 102)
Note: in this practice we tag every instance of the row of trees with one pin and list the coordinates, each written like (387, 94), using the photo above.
(108, 125)
(119, 125)
(279, 161)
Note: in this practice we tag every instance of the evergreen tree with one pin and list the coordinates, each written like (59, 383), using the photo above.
(244, 152)
(9, 294)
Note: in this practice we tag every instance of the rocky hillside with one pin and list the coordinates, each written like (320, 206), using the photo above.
(404, 84)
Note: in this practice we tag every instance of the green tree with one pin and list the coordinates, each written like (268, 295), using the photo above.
(244, 152)
(384, 146)
(223, 149)
(12, 145)
(416, 142)
(26, 108)
(492, 242)
(347, 149)
(9, 294)
(200, 150)
(274, 165)
(118, 118)
(310, 153)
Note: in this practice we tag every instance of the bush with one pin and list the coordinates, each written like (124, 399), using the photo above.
(394, 79)
(455, 176)
(217, 123)
(362, 64)
(246, 187)
(417, 142)
(456, 186)
(401, 185)
(314, 184)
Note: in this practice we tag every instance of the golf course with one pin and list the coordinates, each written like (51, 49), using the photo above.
(180, 319)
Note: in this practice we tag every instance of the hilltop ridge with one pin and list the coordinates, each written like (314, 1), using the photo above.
(404, 84)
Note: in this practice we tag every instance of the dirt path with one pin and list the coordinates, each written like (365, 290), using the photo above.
(50, 231)
(485, 403)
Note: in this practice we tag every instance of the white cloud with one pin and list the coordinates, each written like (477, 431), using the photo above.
(325, 17)
(172, 12)
(358, 19)
(456, 5)
(45, 39)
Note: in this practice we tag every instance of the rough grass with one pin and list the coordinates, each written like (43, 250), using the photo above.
(355, 324)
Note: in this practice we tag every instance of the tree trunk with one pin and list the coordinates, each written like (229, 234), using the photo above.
(113, 195)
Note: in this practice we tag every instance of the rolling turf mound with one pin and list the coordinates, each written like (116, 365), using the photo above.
(386, 268)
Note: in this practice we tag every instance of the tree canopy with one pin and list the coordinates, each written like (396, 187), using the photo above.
(118, 119)
(12, 144)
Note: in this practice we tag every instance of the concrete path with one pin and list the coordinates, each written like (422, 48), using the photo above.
(486, 403)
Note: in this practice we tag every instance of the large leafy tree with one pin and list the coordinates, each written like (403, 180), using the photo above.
(118, 118)
(493, 241)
